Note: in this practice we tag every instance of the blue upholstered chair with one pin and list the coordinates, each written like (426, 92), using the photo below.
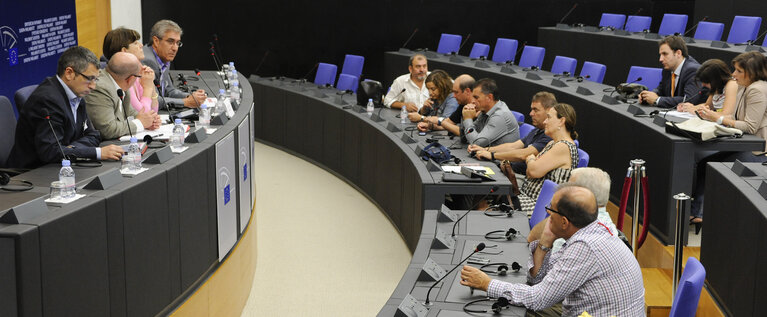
(347, 82)
(688, 290)
(7, 129)
(709, 31)
(21, 96)
(744, 29)
(672, 23)
(326, 74)
(638, 23)
(525, 129)
(532, 56)
(594, 71)
(583, 158)
(505, 50)
(564, 64)
(353, 65)
(612, 20)
(479, 49)
(520, 117)
(544, 198)
(651, 76)
(449, 43)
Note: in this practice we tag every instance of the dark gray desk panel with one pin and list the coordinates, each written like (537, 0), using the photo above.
(20, 289)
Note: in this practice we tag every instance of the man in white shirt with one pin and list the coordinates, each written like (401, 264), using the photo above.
(409, 90)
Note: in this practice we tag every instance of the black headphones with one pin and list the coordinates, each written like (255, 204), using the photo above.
(502, 235)
(498, 305)
(19, 186)
(500, 210)
(502, 268)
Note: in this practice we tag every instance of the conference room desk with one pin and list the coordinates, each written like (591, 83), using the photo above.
(139, 247)
(376, 157)
(608, 133)
(619, 52)
(733, 246)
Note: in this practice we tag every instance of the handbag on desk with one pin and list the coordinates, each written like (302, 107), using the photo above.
(701, 130)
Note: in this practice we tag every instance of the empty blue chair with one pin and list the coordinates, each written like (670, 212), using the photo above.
(688, 290)
(326, 74)
(520, 117)
(593, 71)
(672, 23)
(347, 82)
(651, 76)
(744, 29)
(564, 64)
(709, 31)
(613, 20)
(638, 23)
(479, 49)
(544, 198)
(21, 96)
(504, 51)
(353, 65)
(532, 56)
(7, 129)
(525, 129)
(449, 43)
(583, 158)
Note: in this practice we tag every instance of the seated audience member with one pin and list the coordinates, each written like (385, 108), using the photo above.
(749, 116)
(593, 272)
(166, 40)
(409, 89)
(110, 113)
(143, 93)
(598, 182)
(557, 160)
(59, 101)
(716, 76)
(462, 91)
(495, 124)
(678, 80)
(533, 143)
(441, 102)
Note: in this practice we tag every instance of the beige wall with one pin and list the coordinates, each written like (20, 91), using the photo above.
(93, 23)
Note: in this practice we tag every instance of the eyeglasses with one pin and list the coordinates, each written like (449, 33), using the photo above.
(174, 42)
(554, 211)
(89, 79)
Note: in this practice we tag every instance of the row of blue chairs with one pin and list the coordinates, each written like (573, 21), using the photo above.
(351, 72)
(743, 28)
(8, 117)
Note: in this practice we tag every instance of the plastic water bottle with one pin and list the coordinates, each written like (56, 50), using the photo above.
(135, 155)
(403, 115)
(220, 104)
(204, 116)
(67, 177)
(177, 139)
(234, 92)
(370, 107)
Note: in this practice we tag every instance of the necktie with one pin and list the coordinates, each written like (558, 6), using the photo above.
(673, 83)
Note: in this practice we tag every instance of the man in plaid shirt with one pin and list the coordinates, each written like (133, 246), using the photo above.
(592, 272)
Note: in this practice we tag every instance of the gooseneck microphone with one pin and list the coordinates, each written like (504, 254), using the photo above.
(261, 62)
(492, 190)
(303, 79)
(568, 13)
(705, 18)
(464, 43)
(218, 46)
(629, 18)
(395, 100)
(410, 38)
(197, 72)
(757, 38)
(520, 50)
(48, 118)
(121, 95)
(167, 108)
(479, 247)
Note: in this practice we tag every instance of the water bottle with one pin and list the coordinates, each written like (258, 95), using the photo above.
(220, 105)
(234, 93)
(135, 155)
(370, 107)
(177, 139)
(67, 177)
(204, 116)
(403, 115)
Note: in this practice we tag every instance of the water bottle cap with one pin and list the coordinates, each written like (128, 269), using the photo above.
(370, 99)
(177, 121)
(231, 64)
(65, 163)
(203, 106)
(133, 140)
(235, 83)
(221, 91)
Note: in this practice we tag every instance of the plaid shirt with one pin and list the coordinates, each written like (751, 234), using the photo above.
(593, 272)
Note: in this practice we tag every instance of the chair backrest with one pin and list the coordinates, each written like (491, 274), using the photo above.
(638, 23)
(7, 129)
(347, 82)
(688, 291)
(594, 71)
(479, 49)
(711, 31)
(504, 50)
(525, 129)
(449, 43)
(564, 64)
(583, 158)
(532, 56)
(326, 74)
(612, 20)
(520, 117)
(672, 23)
(651, 76)
(744, 29)
(353, 65)
(21, 96)
(544, 198)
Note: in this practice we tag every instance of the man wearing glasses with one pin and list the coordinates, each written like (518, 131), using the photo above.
(592, 272)
(166, 40)
(58, 101)
(109, 104)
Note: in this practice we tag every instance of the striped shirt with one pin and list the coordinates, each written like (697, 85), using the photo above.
(593, 272)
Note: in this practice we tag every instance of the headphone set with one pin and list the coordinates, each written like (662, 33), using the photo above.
(499, 210)
(501, 269)
(19, 186)
(498, 305)
(502, 235)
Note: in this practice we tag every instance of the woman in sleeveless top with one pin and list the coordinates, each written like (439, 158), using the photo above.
(714, 75)
(557, 160)
(441, 102)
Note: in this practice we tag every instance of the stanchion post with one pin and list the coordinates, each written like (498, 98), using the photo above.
(682, 201)
(637, 165)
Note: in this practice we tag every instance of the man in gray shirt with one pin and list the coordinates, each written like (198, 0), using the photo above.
(495, 124)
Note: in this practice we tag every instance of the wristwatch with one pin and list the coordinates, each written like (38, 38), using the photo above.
(422, 117)
(439, 121)
(544, 248)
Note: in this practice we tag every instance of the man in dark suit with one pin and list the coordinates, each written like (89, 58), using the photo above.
(166, 40)
(58, 100)
(678, 83)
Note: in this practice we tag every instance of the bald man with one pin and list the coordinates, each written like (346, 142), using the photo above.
(592, 272)
(112, 115)
(462, 91)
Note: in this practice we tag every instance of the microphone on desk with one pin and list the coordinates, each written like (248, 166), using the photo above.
(121, 95)
(165, 103)
(492, 190)
(404, 45)
(215, 58)
(757, 38)
(478, 248)
(197, 72)
(303, 79)
(568, 13)
(629, 18)
(48, 119)
(261, 62)
(705, 18)
(217, 47)
(464, 43)
(395, 99)
(521, 47)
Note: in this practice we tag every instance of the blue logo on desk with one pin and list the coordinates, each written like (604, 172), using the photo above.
(245, 172)
(227, 195)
